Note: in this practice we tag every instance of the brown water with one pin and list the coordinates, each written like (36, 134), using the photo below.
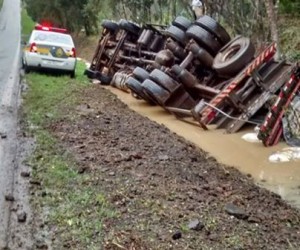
(230, 149)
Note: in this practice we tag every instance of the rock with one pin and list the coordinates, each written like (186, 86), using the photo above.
(35, 182)
(22, 216)
(254, 219)
(195, 225)
(82, 169)
(25, 174)
(41, 244)
(111, 173)
(235, 211)
(163, 157)
(3, 135)
(9, 197)
(177, 235)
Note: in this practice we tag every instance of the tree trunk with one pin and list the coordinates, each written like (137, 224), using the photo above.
(272, 15)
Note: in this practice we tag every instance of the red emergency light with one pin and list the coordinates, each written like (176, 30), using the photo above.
(50, 28)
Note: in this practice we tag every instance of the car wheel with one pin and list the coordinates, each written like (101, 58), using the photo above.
(156, 92)
(177, 34)
(182, 23)
(130, 27)
(234, 57)
(204, 39)
(26, 68)
(140, 74)
(214, 27)
(163, 80)
(110, 25)
(73, 74)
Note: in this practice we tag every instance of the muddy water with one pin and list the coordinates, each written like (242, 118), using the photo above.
(230, 149)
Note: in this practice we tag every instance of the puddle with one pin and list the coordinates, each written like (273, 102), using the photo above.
(251, 158)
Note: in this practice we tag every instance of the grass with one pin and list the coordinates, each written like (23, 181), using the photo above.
(66, 200)
(27, 23)
(1, 3)
(76, 207)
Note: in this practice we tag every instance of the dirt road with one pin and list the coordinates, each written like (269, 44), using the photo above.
(9, 82)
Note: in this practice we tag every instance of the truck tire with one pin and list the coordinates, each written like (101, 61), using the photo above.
(156, 92)
(110, 25)
(177, 34)
(215, 28)
(136, 87)
(163, 80)
(234, 57)
(129, 27)
(182, 23)
(204, 38)
(105, 80)
(89, 73)
(140, 74)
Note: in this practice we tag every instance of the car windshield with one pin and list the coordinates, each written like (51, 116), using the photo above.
(52, 37)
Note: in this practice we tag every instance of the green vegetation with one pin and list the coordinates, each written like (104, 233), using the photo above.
(1, 3)
(76, 208)
(27, 23)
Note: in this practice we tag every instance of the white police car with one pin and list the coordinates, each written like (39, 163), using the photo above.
(50, 48)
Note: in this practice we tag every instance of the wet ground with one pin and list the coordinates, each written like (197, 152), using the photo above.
(9, 92)
(231, 149)
(167, 193)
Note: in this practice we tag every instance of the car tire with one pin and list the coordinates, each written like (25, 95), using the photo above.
(140, 74)
(129, 27)
(163, 80)
(177, 34)
(110, 25)
(234, 57)
(214, 27)
(158, 93)
(73, 74)
(204, 38)
(182, 23)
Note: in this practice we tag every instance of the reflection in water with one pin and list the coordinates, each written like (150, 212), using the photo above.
(230, 149)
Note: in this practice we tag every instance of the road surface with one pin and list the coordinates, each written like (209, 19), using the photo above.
(9, 91)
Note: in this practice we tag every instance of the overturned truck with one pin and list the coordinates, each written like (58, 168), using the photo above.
(194, 70)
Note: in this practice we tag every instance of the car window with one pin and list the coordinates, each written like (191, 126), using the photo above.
(52, 37)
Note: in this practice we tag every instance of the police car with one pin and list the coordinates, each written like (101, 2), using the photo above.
(50, 48)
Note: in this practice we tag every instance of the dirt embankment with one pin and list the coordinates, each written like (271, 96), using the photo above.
(167, 193)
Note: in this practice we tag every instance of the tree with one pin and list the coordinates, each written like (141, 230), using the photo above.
(273, 24)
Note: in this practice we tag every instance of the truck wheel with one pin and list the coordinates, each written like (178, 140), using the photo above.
(140, 74)
(214, 27)
(234, 57)
(177, 34)
(89, 73)
(110, 25)
(204, 38)
(156, 92)
(182, 23)
(163, 80)
(136, 87)
(105, 80)
(130, 27)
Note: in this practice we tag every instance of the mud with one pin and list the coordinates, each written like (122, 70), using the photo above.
(158, 183)
(230, 149)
